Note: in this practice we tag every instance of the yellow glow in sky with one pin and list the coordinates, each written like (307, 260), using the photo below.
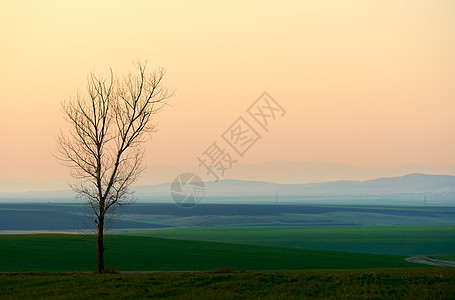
(367, 83)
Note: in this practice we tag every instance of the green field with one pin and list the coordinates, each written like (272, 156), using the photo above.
(445, 257)
(397, 240)
(429, 283)
(66, 252)
(289, 215)
(309, 273)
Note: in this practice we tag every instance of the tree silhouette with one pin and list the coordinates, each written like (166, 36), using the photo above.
(103, 146)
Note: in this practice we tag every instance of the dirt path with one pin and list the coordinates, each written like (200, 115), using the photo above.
(429, 260)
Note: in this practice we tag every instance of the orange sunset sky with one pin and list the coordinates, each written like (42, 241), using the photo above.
(366, 83)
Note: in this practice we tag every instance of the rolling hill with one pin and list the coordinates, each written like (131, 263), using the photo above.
(409, 184)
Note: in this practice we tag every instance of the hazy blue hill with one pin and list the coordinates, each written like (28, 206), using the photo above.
(412, 183)
(409, 184)
(38, 195)
(418, 183)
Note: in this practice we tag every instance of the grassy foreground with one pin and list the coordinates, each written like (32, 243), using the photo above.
(66, 252)
(430, 283)
(397, 240)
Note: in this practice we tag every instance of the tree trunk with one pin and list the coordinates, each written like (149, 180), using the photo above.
(100, 245)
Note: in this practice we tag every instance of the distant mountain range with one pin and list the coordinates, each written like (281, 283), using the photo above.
(295, 172)
(409, 184)
(284, 172)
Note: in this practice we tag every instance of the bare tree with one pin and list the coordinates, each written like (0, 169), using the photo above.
(104, 144)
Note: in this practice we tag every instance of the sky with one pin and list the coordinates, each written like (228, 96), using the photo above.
(365, 83)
